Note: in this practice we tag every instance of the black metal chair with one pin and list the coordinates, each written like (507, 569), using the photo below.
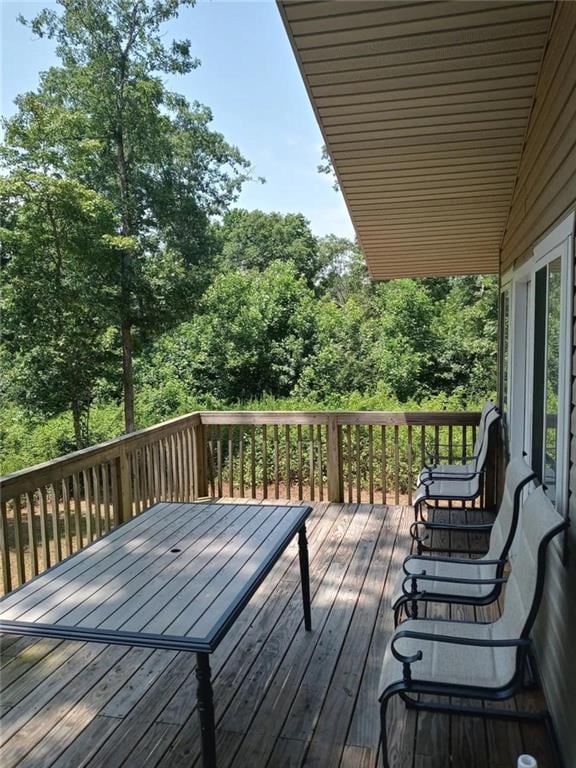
(472, 660)
(469, 581)
(453, 489)
(436, 469)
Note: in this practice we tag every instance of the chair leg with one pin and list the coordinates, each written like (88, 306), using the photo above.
(383, 735)
(531, 679)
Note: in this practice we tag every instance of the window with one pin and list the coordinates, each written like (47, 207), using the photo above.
(538, 365)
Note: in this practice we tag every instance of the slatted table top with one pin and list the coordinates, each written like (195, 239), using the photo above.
(175, 577)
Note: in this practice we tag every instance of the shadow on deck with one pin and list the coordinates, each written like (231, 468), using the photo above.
(283, 697)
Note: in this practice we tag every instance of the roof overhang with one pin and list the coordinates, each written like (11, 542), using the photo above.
(424, 108)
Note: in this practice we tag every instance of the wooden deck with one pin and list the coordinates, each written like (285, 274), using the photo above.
(283, 697)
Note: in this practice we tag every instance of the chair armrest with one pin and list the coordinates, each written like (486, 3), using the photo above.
(416, 577)
(415, 534)
(473, 527)
(406, 661)
(475, 642)
(458, 560)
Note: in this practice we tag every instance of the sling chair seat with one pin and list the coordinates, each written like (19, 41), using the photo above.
(433, 576)
(478, 667)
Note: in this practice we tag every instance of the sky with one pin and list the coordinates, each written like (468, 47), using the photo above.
(250, 80)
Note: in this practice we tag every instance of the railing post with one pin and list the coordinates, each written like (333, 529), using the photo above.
(199, 461)
(123, 481)
(334, 466)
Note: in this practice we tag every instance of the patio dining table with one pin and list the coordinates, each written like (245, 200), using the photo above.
(174, 577)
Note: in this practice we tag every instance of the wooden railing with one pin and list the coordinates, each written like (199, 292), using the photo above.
(49, 511)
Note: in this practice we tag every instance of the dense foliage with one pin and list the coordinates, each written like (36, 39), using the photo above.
(118, 246)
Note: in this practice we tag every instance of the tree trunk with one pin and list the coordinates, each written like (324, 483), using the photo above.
(77, 419)
(127, 375)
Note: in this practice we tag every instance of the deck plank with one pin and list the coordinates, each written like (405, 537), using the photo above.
(341, 699)
(284, 698)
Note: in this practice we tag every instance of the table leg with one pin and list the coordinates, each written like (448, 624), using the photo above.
(205, 705)
(305, 576)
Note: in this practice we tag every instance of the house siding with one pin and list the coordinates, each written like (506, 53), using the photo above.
(545, 188)
(545, 192)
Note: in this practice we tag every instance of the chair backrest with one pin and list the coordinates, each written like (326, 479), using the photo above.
(538, 523)
(489, 406)
(491, 418)
(518, 475)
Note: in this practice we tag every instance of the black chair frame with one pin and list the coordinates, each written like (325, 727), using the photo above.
(408, 686)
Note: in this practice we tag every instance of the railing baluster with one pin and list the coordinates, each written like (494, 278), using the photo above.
(105, 472)
(44, 529)
(97, 511)
(410, 464)
(396, 466)
(18, 543)
(173, 468)
(199, 462)
(384, 459)
(349, 463)
(311, 449)
(231, 461)
(358, 467)
(241, 460)
(88, 504)
(264, 461)
(32, 543)
(66, 515)
(181, 452)
(299, 441)
(219, 460)
(474, 443)
(253, 461)
(5, 550)
(55, 505)
(276, 463)
(77, 510)
(320, 464)
(210, 462)
(288, 470)
(370, 464)
(149, 475)
(422, 445)
(162, 470)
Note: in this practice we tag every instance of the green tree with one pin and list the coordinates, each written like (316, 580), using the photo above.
(403, 315)
(105, 118)
(251, 336)
(343, 272)
(465, 337)
(58, 249)
(338, 362)
(254, 239)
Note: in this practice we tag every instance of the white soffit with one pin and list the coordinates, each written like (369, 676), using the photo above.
(423, 107)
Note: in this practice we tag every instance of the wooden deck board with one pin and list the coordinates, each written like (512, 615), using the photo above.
(284, 698)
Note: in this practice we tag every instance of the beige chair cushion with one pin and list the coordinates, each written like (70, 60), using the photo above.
(445, 488)
(451, 664)
(453, 470)
(474, 569)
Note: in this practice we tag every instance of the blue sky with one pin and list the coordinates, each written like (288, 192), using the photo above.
(250, 80)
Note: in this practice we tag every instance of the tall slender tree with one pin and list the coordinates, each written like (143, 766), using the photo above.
(57, 245)
(105, 118)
